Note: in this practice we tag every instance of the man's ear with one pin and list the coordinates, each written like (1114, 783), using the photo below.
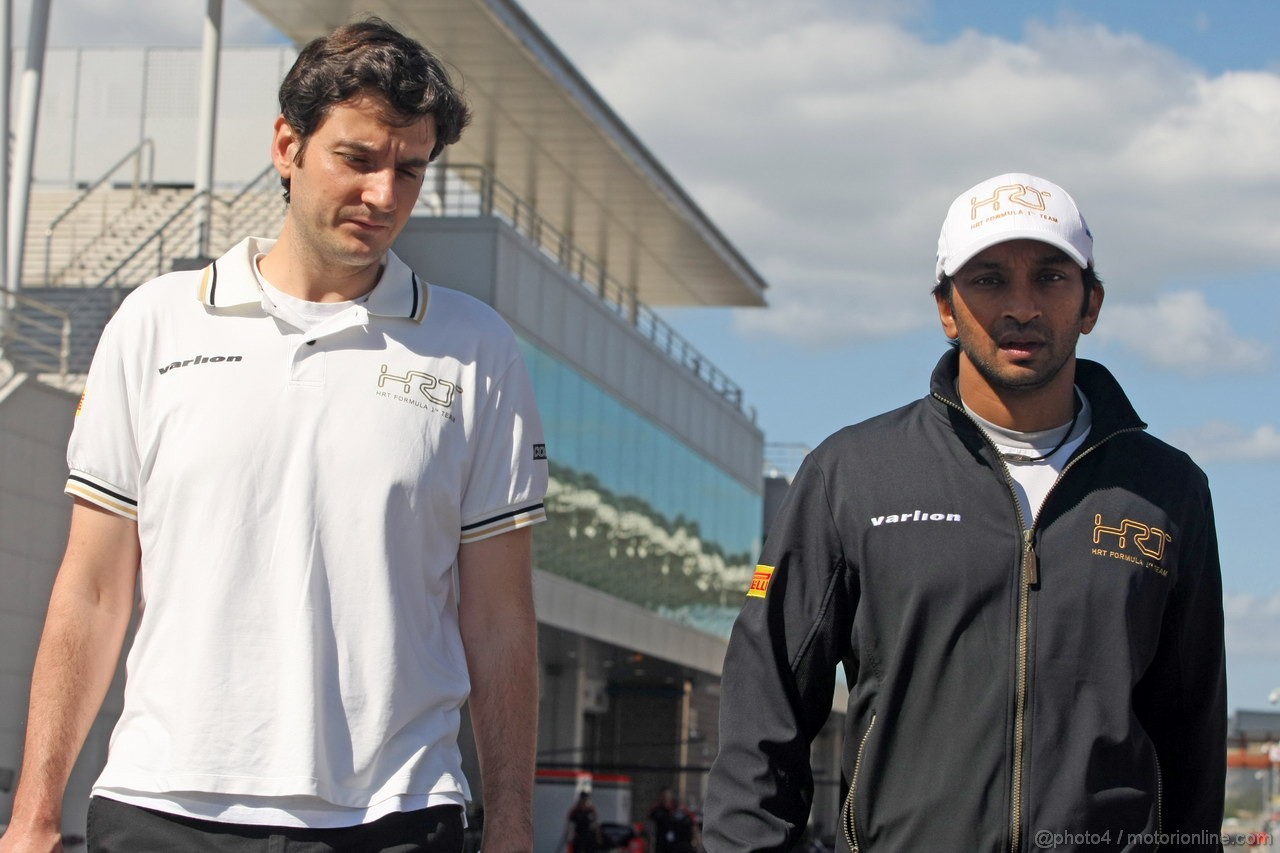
(1090, 318)
(946, 313)
(285, 145)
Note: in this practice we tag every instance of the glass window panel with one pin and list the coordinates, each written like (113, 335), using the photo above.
(636, 513)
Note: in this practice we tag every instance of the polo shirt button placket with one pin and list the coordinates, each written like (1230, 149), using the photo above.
(306, 366)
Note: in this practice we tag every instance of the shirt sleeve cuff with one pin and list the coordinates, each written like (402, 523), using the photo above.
(102, 494)
(503, 521)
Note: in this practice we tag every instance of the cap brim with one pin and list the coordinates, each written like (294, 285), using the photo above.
(954, 265)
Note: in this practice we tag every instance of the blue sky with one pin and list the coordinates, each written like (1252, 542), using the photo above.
(827, 137)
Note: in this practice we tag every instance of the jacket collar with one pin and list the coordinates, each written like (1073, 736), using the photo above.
(1112, 410)
(231, 281)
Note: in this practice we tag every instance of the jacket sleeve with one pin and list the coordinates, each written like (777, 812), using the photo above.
(1182, 698)
(779, 676)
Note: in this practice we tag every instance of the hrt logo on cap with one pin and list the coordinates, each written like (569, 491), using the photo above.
(1023, 194)
(1007, 207)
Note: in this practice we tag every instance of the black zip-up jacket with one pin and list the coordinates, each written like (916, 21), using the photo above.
(1060, 689)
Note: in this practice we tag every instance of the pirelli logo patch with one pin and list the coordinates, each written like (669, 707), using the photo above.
(760, 582)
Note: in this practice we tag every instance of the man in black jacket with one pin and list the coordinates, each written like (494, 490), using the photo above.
(1021, 584)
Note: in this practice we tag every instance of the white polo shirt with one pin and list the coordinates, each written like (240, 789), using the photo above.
(300, 500)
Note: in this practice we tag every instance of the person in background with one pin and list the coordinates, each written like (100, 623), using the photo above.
(584, 825)
(675, 827)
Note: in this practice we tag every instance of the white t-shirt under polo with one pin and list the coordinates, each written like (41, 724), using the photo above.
(300, 499)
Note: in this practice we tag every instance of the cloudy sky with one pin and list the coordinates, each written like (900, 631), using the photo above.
(827, 137)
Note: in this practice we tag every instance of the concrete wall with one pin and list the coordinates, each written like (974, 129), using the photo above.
(35, 423)
(97, 103)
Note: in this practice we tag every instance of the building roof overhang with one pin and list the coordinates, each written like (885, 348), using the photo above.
(544, 133)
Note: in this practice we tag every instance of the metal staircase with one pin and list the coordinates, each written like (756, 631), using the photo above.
(38, 335)
(86, 249)
(148, 231)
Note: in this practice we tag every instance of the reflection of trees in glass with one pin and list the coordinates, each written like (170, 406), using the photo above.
(712, 618)
(621, 545)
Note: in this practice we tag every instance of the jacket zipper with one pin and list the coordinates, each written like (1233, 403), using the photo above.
(847, 813)
(1159, 799)
(1030, 576)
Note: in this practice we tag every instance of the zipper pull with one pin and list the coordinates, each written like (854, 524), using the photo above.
(1030, 569)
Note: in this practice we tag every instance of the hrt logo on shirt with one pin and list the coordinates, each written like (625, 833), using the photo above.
(439, 391)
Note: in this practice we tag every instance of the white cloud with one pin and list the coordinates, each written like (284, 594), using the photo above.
(849, 135)
(1218, 441)
(826, 139)
(1183, 333)
(1253, 626)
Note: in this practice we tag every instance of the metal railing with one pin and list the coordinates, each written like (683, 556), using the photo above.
(457, 191)
(152, 256)
(135, 154)
(176, 236)
(29, 324)
(31, 327)
(783, 458)
(257, 208)
(472, 190)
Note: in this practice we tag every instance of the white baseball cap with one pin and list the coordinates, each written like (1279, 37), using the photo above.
(1013, 206)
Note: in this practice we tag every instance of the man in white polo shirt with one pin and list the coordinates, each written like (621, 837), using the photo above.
(284, 456)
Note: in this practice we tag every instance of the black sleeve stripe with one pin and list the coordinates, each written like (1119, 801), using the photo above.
(97, 488)
(514, 512)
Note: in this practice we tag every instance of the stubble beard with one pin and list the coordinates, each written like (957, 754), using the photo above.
(327, 242)
(1002, 378)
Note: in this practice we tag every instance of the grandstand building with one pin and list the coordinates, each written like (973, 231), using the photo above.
(552, 211)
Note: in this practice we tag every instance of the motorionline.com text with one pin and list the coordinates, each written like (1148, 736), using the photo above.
(1046, 839)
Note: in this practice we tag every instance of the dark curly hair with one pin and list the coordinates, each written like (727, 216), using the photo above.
(371, 57)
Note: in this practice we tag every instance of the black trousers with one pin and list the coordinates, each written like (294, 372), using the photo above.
(115, 827)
